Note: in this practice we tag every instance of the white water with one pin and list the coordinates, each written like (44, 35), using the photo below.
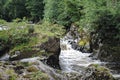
(3, 28)
(5, 57)
(72, 60)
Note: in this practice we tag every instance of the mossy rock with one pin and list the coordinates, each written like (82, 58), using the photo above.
(32, 68)
(96, 72)
(37, 76)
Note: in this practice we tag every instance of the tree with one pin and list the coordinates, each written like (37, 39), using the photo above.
(63, 12)
(12, 9)
(35, 8)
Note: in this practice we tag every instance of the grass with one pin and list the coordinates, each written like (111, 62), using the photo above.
(12, 74)
(39, 76)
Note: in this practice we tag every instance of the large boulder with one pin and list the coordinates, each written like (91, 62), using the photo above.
(52, 47)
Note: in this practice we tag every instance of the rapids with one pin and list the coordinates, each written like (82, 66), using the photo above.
(72, 60)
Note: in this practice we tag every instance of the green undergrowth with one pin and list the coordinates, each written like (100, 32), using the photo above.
(21, 36)
(39, 76)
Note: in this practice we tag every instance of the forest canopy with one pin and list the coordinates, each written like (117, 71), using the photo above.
(85, 13)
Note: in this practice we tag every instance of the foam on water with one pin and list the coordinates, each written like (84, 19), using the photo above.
(71, 59)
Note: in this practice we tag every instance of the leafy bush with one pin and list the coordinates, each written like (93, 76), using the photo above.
(31, 29)
(2, 21)
(17, 20)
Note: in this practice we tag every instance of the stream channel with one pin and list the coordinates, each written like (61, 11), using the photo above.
(70, 60)
(75, 61)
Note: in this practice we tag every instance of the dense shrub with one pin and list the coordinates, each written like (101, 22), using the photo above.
(31, 29)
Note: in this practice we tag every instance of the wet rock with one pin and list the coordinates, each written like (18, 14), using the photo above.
(21, 55)
(63, 47)
(95, 72)
(78, 40)
(52, 47)
(104, 45)
(36, 76)
(7, 74)
(110, 54)
(73, 76)
(19, 69)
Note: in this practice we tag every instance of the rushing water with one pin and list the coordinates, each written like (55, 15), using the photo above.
(4, 57)
(72, 60)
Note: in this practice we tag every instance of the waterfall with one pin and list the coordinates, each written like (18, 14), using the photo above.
(72, 60)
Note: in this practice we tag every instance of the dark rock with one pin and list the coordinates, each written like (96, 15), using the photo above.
(52, 47)
(104, 46)
(109, 53)
(73, 76)
(73, 32)
(18, 69)
(114, 66)
(24, 54)
(75, 37)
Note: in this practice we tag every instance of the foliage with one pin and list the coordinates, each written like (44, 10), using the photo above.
(21, 36)
(35, 8)
(31, 29)
(12, 9)
(12, 74)
(2, 21)
(12, 37)
(62, 11)
(98, 15)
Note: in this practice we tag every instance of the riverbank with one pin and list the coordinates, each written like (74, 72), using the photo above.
(40, 50)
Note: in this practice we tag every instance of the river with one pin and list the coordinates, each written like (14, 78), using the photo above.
(72, 60)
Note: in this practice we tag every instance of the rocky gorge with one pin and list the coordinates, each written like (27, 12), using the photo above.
(21, 66)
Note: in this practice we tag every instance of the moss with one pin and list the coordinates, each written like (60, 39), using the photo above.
(37, 76)
(99, 73)
(82, 43)
(11, 73)
(99, 68)
(32, 69)
(95, 65)
(40, 76)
